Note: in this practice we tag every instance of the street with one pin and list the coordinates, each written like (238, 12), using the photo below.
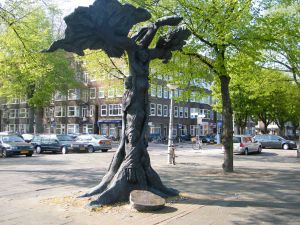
(264, 189)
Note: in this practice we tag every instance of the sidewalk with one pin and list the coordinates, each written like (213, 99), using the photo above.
(265, 189)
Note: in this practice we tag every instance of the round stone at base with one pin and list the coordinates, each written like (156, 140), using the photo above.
(146, 201)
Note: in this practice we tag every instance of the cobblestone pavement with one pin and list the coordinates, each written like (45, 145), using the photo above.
(264, 189)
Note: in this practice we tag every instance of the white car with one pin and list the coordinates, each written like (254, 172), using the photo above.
(93, 142)
(244, 144)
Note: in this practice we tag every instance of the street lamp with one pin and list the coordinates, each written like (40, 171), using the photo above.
(172, 87)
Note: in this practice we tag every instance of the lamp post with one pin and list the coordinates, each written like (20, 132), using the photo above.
(172, 87)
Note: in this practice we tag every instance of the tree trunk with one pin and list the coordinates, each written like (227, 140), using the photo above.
(228, 126)
(130, 168)
(39, 120)
(31, 120)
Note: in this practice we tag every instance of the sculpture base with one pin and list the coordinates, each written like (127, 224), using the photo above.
(145, 201)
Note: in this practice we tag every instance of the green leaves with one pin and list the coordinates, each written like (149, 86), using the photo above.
(24, 70)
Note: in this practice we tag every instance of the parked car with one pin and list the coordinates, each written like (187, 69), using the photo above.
(210, 138)
(93, 142)
(12, 144)
(274, 141)
(244, 144)
(53, 143)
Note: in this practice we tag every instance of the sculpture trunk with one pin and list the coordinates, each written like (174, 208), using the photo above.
(130, 168)
(106, 25)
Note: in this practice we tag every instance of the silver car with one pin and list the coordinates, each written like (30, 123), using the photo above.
(244, 144)
(93, 142)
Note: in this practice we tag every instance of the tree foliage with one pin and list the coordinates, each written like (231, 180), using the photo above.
(26, 29)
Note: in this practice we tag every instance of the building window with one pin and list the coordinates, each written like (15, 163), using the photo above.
(186, 112)
(111, 93)
(181, 112)
(101, 93)
(176, 93)
(165, 110)
(153, 91)
(193, 130)
(166, 93)
(84, 111)
(73, 128)
(88, 128)
(92, 93)
(103, 129)
(58, 96)
(194, 113)
(176, 111)
(73, 94)
(180, 93)
(13, 113)
(170, 94)
(23, 100)
(73, 111)
(85, 77)
(193, 97)
(60, 129)
(115, 110)
(159, 110)
(103, 110)
(92, 110)
(159, 91)
(59, 111)
(23, 113)
(152, 109)
(14, 101)
(119, 92)
(155, 130)
(85, 95)
(205, 112)
(12, 128)
(183, 130)
(23, 128)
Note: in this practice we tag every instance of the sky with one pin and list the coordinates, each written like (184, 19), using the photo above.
(69, 5)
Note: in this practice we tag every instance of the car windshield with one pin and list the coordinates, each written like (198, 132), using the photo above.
(12, 138)
(236, 140)
(64, 138)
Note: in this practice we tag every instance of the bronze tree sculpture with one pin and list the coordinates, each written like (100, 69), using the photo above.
(105, 25)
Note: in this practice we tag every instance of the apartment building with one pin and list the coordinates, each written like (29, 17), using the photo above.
(96, 108)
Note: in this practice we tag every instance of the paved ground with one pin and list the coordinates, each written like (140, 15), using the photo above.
(265, 189)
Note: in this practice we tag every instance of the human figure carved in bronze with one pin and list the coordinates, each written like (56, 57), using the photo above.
(105, 25)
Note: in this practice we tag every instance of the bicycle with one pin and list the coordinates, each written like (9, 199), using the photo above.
(197, 143)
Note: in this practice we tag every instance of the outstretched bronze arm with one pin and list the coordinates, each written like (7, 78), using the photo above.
(146, 34)
(172, 41)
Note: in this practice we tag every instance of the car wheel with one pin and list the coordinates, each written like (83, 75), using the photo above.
(285, 146)
(64, 150)
(259, 149)
(91, 149)
(104, 150)
(38, 150)
(246, 151)
(4, 153)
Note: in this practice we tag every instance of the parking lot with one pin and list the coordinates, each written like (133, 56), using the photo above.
(264, 189)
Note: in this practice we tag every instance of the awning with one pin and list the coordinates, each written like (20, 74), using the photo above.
(109, 121)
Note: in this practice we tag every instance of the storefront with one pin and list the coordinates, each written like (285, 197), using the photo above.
(110, 128)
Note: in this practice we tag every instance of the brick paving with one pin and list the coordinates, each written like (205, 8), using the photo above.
(265, 189)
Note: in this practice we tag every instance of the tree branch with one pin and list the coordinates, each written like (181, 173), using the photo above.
(207, 61)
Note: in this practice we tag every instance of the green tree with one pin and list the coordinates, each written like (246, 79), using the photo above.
(25, 71)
